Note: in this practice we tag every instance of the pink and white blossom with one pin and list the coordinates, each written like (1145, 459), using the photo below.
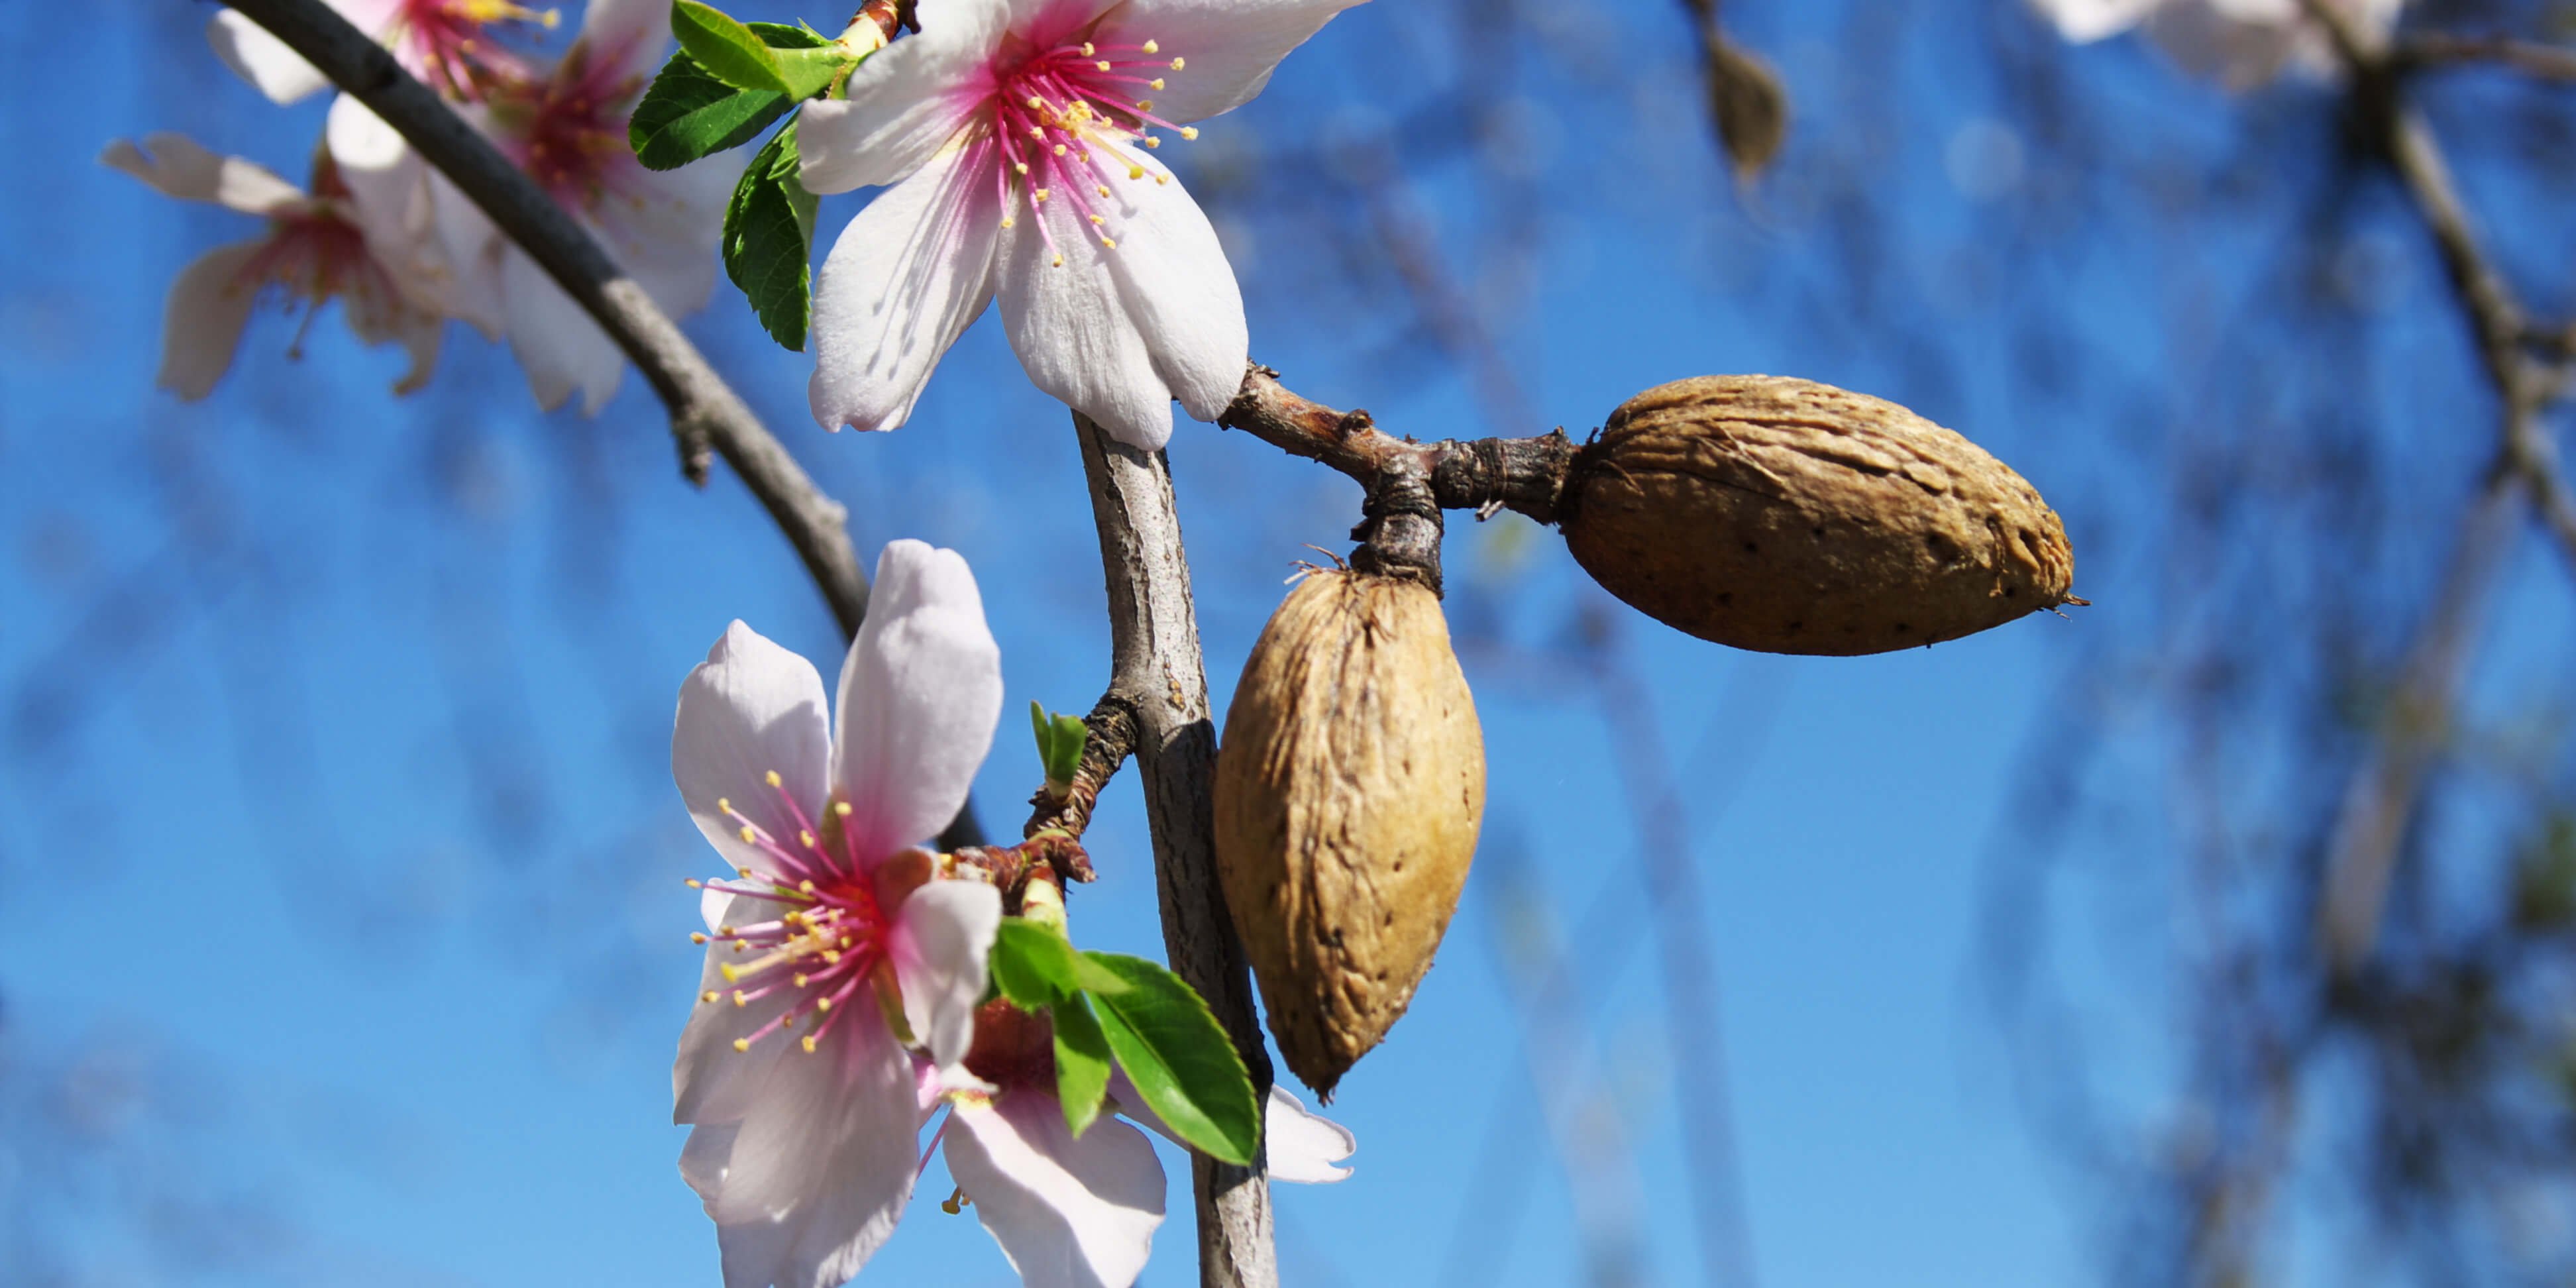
(443, 42)
(833, 951)
(567, 128)
(318, 246)
(1015, 139)
(1080, 1211)
(2239, 43)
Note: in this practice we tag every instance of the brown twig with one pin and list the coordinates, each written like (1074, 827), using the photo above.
(2546, 62)
(1158, 675)
(1484, 474)
(705, 412)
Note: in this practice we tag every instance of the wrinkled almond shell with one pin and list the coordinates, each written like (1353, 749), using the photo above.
(1348, 794)
(1791, 517)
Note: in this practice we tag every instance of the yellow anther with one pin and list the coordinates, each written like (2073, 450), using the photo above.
(726, 931)
(1008, 222)
(1162, 178)
(1059, 149)
(805, 839)
(804, 887)
(1155, 85)
(1104, 188)
(822, 1004)
(1059, 261)
(1152, 142)
(1036, 104)
(1133, 172)
(708, 996)
(1036, 133)
(1039, 195)
(1103, 64)
(1179, 63)
(745, 873)
(800, 979)
(831, 958)
(1023, 168)
(730, 971)
(1098, 220)
(1153, 47)
(695, 884)
(808, 1040)
(742, 945)
(841, 808)
(1189, 131)
(1144, 105)
(1108, 244)
(750, 836)
(845, 941)
(724, 804)
(772, 776)
(697, 936)
(741, 998)
(742, 1044)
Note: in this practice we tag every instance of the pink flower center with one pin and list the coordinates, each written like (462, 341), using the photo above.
(442, 42)
(828, 943)
(1065, 121)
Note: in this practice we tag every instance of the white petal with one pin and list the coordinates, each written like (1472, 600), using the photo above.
(1072, 332)
(178, 167)
(625, 38)
(920, 695)
(710, 1081)
(557, 343)
(469, 250)
(1300, 1145)
(813, 1179)
(202, 325)
(262, 59)
(941, 937)
(1181, 294)
(905, 279)
(1117, 333)
(2085, 21)
(1228, 46)
(905, 102)
(1068, 1213)
(752, 708)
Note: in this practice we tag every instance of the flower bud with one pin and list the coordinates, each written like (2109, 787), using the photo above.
(1792, 517)
(1348, 795)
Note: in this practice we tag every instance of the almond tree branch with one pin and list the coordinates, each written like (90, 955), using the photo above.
(2532, 58)
(705, 411)
(1158, 676)
(2362, 851)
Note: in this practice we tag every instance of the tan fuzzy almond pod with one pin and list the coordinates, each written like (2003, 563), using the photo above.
(1791, 517)
(1348, 794)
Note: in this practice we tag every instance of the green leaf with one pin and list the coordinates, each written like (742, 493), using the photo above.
(1064, 758)
(808, 71)
(688, 114)
(769, 240)
(1081, 1062)
(1045, 734)
(1178, 1057)
(778, 35)
(728, 50)
(1032, 965)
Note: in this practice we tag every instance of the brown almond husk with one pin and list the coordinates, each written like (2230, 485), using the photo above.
(1787, 516)
(1349, 791)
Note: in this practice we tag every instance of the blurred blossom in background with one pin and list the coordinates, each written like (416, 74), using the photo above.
(2220, 932)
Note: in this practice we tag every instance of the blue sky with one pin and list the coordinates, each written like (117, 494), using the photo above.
(346, 867)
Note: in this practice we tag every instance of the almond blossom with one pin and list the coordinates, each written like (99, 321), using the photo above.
(833, 949)
(1017, 138)
(1080, 1211)
(319, 246)
(2239, 43)
(567, 129)
(443, 42)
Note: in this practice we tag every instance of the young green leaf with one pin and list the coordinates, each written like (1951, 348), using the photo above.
(1179, 1058)
(769, 240)
(778, 35)
(1064, 755)
(1081, 1062)
(807, 71)
(688, 114)
(1032, 965)
(1045, 733)
(728, 50)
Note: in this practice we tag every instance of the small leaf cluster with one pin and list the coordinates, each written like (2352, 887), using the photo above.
(1109, 1007)
(730, 81)
(1061, 739)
